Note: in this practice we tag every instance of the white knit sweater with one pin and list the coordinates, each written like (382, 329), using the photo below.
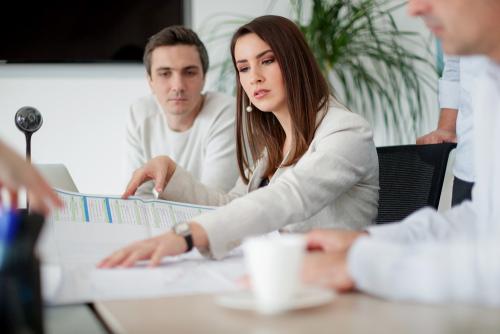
(206, 150)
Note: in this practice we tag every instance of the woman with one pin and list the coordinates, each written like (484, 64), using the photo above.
(316, 164)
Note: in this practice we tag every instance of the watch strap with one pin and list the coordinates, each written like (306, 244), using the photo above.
(189, 242)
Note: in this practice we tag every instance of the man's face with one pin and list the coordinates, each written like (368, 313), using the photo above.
(464, 26)
(177, 78)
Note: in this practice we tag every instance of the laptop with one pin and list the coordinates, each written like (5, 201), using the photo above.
(57, 176)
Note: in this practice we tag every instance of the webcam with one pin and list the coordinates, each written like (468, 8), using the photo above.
(28, 120)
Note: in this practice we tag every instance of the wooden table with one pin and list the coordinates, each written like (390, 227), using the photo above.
(351, 313)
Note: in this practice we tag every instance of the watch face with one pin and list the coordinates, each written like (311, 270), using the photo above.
(182, 229)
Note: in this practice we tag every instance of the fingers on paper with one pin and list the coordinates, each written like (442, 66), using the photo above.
(114, 259)
(158, 254)
(127, 257)
(138, 178)
(160, 181)
(142, 252)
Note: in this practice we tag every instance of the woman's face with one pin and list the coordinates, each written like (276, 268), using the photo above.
(260, 74)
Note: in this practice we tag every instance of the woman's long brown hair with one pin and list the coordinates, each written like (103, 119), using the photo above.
(306, 89)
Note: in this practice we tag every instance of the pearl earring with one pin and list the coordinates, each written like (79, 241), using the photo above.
(249, 107)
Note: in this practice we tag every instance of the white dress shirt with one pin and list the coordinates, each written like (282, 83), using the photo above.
(455, 87)
(450, 257)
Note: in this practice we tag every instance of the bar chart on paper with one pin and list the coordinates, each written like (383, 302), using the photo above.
(83, 208)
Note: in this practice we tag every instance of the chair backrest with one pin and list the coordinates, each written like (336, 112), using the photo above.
(411, 177)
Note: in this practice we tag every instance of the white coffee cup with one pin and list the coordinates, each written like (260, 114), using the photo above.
(274, 266)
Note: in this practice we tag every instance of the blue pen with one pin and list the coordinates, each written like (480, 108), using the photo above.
(9, 225)
(3, 233)
(12, 225)
(3, 225)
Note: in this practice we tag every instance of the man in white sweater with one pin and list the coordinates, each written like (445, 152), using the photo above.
(195, 130)
(432, 257)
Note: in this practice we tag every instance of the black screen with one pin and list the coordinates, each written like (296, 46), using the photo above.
(82, 31)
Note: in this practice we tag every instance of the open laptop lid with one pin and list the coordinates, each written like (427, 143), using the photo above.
(57, 176)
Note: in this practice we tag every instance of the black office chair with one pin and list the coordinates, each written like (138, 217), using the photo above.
(411, 177)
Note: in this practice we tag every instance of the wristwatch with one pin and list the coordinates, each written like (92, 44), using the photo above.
(184, 230)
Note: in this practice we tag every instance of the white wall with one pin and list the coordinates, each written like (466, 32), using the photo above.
(84, 109)
(84, 106)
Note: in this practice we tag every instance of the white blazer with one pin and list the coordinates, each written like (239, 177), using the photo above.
(334, 184)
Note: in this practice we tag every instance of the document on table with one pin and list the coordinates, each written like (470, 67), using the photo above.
(90, 227)
(115, 210)
(187, 274)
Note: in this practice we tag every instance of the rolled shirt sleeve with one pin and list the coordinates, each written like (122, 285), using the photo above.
(449, 84)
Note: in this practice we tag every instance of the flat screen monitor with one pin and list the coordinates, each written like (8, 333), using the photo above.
(82, 31)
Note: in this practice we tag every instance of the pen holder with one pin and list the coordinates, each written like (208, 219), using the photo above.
(21, 309)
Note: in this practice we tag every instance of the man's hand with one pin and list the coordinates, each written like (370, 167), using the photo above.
(159, 169)
(328, 270)
(332, 241)
(446, 129)
(437, 137)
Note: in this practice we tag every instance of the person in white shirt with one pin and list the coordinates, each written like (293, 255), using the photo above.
(316, 162)
(455, 120)
(432, 257)
(195, 130)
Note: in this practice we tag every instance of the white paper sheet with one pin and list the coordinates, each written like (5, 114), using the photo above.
(183, 275)
(90, 227)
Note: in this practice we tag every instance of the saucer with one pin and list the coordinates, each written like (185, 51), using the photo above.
(308, 296)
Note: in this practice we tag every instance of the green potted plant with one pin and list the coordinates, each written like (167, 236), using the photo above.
(371, 64)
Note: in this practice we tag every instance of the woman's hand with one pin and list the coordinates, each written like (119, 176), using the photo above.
(160, 169)
(153, 249)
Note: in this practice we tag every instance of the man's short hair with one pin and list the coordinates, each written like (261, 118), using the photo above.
(175, 35)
